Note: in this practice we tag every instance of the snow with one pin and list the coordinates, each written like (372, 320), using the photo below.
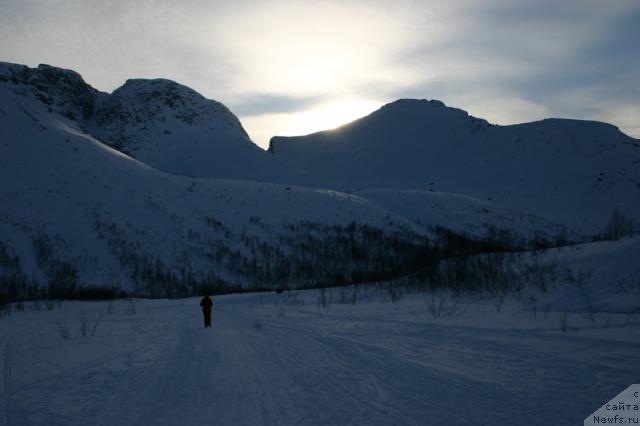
(610, 276)
(464, 213)
(284, 359)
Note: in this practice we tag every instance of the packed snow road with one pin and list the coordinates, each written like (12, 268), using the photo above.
(282, 359)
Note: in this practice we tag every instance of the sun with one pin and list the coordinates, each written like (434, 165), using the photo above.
(329, 115)
(324, 116)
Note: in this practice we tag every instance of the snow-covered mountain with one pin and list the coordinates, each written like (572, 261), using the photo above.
(571, 171)
(99, 189)
(159, 122)
(175, 129)
(73, 210)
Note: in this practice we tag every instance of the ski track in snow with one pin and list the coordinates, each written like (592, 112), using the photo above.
(264, 363)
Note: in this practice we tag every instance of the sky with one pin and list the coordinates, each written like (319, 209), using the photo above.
(295, 67)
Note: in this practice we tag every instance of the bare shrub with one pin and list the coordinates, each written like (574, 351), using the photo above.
(630, 282)
(5, 309)
(63, 330)
(95, 325)
(393, 292)
(343, 295)
(84, 325)
(441, 306)
(293, 300)
(632, 317)
(323, 300)
(530, 302)
(564, 321)
(132, 307)
(580, 281)
(499, 300)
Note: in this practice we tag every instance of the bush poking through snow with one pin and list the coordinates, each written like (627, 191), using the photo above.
(95, 325)
(322, 299)
(5, 309)
(84, 325)
(441, 306)
(63, 330)
(499, 300)
(632, 317)
(564, 322)
(630, 282)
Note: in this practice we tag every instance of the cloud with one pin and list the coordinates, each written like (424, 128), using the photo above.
(270, 103)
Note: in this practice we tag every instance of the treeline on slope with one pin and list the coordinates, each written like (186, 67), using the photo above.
(305, 255)
(62, 277)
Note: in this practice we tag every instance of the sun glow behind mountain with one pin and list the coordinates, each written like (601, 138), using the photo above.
(330, 115)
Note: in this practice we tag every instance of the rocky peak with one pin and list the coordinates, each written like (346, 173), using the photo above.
(160, 100)
(145, 110)
(420, 107)
(64, 91)
(414, 116)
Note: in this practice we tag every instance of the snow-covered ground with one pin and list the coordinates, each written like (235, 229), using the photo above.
(291, 359)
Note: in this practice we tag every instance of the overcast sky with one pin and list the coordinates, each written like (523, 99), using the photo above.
(293, 67)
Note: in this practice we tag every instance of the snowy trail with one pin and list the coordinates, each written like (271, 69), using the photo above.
(242, 373)
(273, 364)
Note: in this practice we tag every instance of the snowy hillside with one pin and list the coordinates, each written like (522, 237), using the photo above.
(466, 214)
(159, 122)
(74, 211)
(574, 172)
(598, 277)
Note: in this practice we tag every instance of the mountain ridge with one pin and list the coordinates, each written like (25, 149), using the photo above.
(73, 208)
(552, 167)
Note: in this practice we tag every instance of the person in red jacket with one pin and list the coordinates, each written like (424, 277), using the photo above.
(206, 304)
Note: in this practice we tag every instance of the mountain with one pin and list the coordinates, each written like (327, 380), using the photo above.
(162, 123)
(74, 211)
(155, 189)
(175, 129)
(570, 171)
